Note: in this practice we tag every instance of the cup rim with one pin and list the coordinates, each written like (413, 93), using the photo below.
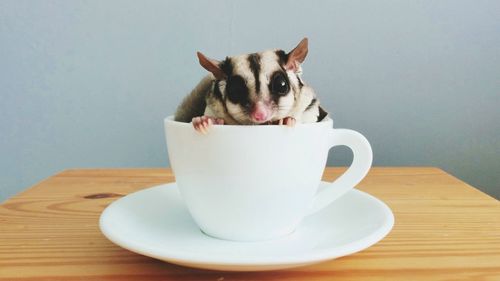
(327, 121)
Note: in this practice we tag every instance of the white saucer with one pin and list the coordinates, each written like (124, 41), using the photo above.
(155, 222)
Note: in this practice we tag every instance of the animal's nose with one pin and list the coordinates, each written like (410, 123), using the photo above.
(260, 112)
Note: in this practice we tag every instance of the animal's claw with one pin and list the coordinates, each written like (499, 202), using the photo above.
(288, 121)
(202, 124)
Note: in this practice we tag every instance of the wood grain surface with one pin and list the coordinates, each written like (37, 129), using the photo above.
(444, 230)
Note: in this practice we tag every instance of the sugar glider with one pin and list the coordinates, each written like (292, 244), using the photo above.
(252, 89)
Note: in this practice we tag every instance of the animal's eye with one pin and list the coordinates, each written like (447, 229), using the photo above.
(279, 84)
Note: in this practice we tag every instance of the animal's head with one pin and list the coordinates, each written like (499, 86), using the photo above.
(259, 87)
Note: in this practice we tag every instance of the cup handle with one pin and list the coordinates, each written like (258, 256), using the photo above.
(361, 163)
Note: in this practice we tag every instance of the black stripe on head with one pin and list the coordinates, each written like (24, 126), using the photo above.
(217, 93)
(282, 57)
(254, 61)
(227, 66)
(312, 104)
(300, 81)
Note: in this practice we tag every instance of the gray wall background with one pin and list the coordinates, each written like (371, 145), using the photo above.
(87, 83)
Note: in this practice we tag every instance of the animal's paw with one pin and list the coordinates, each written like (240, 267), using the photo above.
(202, 124)
(289, 121)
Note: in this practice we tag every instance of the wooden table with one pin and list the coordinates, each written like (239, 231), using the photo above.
(444, 230)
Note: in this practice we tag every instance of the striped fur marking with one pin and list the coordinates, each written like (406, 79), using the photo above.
(254, 61)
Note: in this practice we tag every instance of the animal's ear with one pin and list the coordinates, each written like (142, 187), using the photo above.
(211, 65)
(297, 56)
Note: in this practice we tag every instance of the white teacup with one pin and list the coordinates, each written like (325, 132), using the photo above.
(251, 183)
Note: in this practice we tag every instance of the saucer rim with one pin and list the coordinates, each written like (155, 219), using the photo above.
(201, 260)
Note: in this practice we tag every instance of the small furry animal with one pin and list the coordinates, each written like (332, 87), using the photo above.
(252, 89)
